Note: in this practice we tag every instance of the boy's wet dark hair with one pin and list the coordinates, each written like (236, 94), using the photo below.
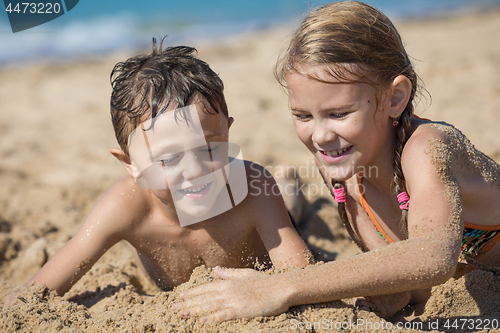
(144, 86)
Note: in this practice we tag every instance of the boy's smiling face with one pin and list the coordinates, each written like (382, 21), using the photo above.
(182, 158)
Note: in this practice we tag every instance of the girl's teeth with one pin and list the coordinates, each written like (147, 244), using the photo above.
(194, 190)
(335, 152)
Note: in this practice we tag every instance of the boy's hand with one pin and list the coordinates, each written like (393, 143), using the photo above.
(244, 293)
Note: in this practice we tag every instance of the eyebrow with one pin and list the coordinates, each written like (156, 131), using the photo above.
(329, 109)
(175, 148)
(212, 135)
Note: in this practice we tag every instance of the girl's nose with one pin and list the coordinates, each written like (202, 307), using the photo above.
(193, 166)
(322, 133)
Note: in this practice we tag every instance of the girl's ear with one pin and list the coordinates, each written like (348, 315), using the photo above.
(125, 160)
(230, 121)
(399, 95)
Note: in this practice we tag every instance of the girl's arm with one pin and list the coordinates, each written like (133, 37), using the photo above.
(427, 258)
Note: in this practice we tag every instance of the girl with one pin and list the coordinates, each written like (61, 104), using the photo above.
(415, 195)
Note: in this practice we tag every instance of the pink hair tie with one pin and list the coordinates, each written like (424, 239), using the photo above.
(404, 200)
(339, 195)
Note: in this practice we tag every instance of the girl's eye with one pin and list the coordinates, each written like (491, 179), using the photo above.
(302, 117)
(340, 115)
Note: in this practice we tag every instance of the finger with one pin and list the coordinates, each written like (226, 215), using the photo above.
(198, 291)
(222, 273)
(192, 302)
(200, 308)
(219, 316)
(188, 303)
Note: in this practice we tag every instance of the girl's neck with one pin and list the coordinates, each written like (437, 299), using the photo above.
(380, 173)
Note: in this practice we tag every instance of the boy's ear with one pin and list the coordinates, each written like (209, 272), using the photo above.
(399, 94)
(125, 160)
(230, 121)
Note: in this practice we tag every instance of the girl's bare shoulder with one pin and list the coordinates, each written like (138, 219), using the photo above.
(430, 137)
(430, 147)
(426, 132)
(448, 149)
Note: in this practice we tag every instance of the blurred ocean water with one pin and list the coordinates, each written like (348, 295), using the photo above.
(96, 27)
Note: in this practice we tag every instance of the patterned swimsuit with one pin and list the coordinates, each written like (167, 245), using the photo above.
(477, 239)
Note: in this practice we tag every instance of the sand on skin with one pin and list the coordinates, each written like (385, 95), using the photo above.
(55, 165)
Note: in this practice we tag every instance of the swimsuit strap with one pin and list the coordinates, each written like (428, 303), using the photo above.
(365, 205)
(420, 118)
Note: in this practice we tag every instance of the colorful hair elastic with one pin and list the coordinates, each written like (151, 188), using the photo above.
(339, 195)
(404, 200)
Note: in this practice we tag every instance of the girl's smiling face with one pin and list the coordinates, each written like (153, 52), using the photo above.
(343, 124)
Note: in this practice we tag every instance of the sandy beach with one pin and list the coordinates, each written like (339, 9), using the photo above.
(55, 164)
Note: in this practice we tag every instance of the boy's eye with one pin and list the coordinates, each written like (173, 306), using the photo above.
(211, 147)
(170, 160)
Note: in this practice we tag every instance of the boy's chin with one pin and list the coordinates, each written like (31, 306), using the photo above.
(195, 212)
(195, 207)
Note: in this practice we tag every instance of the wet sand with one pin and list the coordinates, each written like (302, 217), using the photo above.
(55, 164)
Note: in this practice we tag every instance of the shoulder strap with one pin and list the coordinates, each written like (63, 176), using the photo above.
(365, 205)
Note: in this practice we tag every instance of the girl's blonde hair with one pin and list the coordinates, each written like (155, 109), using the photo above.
(347, 33)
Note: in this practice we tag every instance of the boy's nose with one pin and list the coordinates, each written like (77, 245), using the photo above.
(192, 166)
(322, 133)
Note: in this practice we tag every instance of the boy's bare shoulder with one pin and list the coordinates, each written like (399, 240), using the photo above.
(260, 181)
(125, 202)
(256, 171)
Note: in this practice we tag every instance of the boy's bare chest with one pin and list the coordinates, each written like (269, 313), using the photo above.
(176, 250)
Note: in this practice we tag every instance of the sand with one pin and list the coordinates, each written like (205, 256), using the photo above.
(55, 164)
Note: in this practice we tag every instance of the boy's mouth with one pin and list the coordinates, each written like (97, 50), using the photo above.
(196, 192)
(332, 156)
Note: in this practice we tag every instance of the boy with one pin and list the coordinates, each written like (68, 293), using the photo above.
(186, 201)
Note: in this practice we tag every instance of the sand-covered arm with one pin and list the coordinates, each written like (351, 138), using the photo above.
(427, 258)
(103, 227)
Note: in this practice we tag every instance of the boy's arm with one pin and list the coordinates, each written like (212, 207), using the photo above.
(285, 246)
(104, 226)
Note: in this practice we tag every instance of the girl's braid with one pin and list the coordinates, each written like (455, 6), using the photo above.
(343, 217)
(404, 131)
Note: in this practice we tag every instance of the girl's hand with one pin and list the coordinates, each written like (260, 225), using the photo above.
(244, 293)
(12, 298)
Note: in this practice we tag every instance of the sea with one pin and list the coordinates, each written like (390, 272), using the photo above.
(96, 27)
